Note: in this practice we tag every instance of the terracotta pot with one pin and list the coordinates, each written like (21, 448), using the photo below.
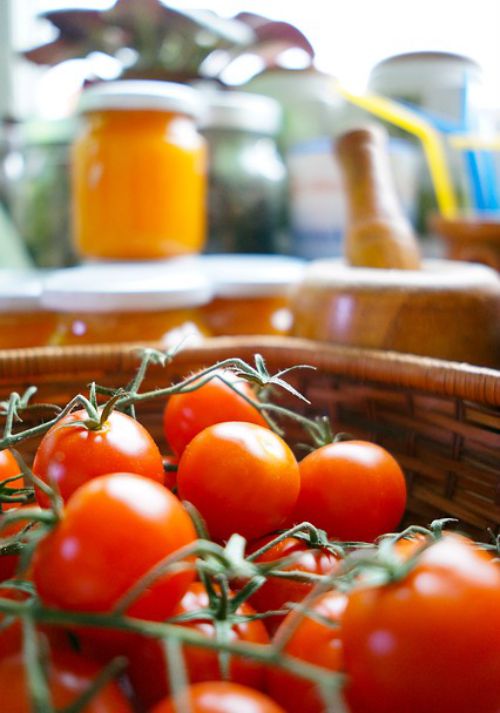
(469, 239)
(448, 310)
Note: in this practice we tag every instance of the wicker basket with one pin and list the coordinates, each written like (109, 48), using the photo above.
(441, 420)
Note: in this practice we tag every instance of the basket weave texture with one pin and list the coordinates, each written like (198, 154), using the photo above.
(441, 420)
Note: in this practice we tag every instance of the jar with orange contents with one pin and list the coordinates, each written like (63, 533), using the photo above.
(251, 292)
(138, 172)
(114, 304)
(23, 320)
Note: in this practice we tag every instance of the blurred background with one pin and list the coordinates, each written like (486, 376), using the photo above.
(321, 63)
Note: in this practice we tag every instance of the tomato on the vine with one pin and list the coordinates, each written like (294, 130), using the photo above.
(148, 669)
(69, 676)
(69, 454)
(8, 469)
(241, 477)
(220, 697)
(277, 591)
(187, 414)
(355, 490)
(317, 640)
(429, 641)
(114, 529)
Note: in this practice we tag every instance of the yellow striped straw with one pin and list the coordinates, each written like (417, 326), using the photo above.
(404, 118)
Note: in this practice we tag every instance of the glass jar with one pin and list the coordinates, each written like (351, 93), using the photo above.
(114, 304)
(246, 174)
(23, 320)
(139, 172)
(251, 292)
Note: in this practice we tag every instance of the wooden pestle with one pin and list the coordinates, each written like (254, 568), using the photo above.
(378, 233)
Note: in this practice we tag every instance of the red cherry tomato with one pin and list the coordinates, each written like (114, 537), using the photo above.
(8, 469)
(315, 642)
(354, 490)
(114, 530)
(148, 670)
(429, 641)
(276, 592)
(241, 477)
(187, 414)
(69, 676)
(69, 456)
(220, 697)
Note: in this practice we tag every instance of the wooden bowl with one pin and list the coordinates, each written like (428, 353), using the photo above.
(469, 239)
(447, 310)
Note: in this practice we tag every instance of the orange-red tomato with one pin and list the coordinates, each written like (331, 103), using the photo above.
(114, 530)
(9, 468)
(69, 676)
(354, 490)
(148, 670)
(277, 591)
(241, 477)
(187, 414)
(315, 641)
(70, 455)
(221, 697)
(429, 641)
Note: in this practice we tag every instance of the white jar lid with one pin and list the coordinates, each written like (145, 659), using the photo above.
(20, 290)
(248, 275)
(243, 111)
(141, 94)
(129, 287)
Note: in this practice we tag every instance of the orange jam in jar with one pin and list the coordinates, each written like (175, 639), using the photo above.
(138, 172)
(23, 320)
(251, 293)
(103, 305)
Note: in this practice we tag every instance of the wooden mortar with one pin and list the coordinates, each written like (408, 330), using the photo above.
(448, 310)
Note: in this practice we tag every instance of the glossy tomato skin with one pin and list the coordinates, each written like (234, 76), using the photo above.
(69, 675)
(187, 414)
(354, 490)
(316, 643)
(276, 592)
(115, 528)
(221, 697)
(148, 669)
(69, 456)
(8, 469)
(430, 641)
(241, 477)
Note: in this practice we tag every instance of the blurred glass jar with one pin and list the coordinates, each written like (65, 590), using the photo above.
(247, 176)
(139, 172)
(36, 173)
(101, 304)
(23, 320)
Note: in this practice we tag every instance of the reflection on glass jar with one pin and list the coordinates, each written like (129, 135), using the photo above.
(246, 174)
(141, 303)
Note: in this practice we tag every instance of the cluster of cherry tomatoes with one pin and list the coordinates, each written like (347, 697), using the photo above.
(229, 577)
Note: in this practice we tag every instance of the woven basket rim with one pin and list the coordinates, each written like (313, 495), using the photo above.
(445, 378)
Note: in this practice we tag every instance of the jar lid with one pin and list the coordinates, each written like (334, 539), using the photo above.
(248, 275)
(240, 110)
(141, 94)
(20, 290)
(125, 288)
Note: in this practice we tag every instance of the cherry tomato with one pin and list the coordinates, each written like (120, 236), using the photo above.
(114, 530)
(187, 414)
(148, 670)
(69, 456)
(220, 697)
(276, 592)
(9, 468)
(313, 640)
(429, 641)
(9, 563)
(242, 478)
(354, 490)
(69, 676)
